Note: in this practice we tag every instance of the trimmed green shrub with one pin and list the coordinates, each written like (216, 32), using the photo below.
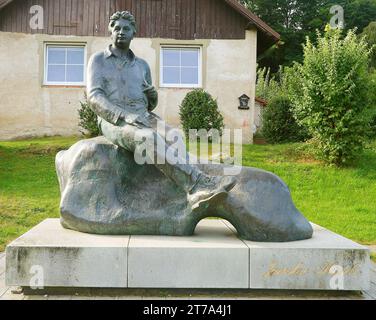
(200, 111)
(278, 123)
(332, 100)
(88, 119)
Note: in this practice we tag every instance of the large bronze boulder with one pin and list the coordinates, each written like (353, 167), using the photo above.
(104, 191)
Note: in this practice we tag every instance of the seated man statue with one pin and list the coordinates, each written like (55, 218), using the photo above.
(120, 92)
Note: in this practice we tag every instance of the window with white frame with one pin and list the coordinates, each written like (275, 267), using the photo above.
(180, 67)
(64, 65)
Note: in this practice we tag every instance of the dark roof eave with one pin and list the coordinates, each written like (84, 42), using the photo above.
(254, 20)
(261, 101)
(3, 3)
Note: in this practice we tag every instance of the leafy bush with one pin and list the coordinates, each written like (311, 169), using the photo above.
(270, 86)
(278, 123)
(332, 96)
(373, 105)
(267, 87)
(200, 111)
(373, 126)
(88, 119)
(369, 34)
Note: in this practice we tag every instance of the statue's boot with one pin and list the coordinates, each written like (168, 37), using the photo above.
(210, 189)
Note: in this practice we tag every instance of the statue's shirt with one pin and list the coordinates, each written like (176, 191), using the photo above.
(116, 85)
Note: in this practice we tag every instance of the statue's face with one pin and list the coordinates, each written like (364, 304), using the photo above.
(122, 33)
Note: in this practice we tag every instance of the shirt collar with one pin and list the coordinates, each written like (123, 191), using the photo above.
(108, 53)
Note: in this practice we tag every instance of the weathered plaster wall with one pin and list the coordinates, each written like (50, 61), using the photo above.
(28, 108)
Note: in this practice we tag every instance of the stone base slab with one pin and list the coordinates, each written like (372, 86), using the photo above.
(213, 258)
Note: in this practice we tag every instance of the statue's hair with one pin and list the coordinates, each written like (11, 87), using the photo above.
(126, 15)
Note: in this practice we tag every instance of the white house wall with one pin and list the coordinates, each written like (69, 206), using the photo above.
(28, 108)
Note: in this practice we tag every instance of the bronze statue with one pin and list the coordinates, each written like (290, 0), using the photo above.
(105, 191)
(120, 92)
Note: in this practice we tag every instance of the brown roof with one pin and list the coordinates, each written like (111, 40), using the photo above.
(3, 3)
(261, 101)
(272, 35)
(255, 20)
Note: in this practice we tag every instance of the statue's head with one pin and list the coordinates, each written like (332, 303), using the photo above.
(123, 28)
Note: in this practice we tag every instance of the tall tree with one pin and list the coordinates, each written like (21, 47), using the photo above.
(358, 13)
(297, 19)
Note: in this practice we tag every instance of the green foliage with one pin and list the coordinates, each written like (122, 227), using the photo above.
(278, 123)
(295, 20)
(358, 13)
(369, 34)
(267, 87)
(88, 119)
(331, 99)
(200, 111)
(373, 104)
(373, 126)
(270, 86)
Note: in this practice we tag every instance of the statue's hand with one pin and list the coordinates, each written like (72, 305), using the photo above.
(134, 120)
(151, 93)
(129, 118)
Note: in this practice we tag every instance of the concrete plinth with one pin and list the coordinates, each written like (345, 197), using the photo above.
(213, 258)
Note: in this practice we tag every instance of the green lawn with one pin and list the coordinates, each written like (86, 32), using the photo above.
(29, 190)
(342, 200)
